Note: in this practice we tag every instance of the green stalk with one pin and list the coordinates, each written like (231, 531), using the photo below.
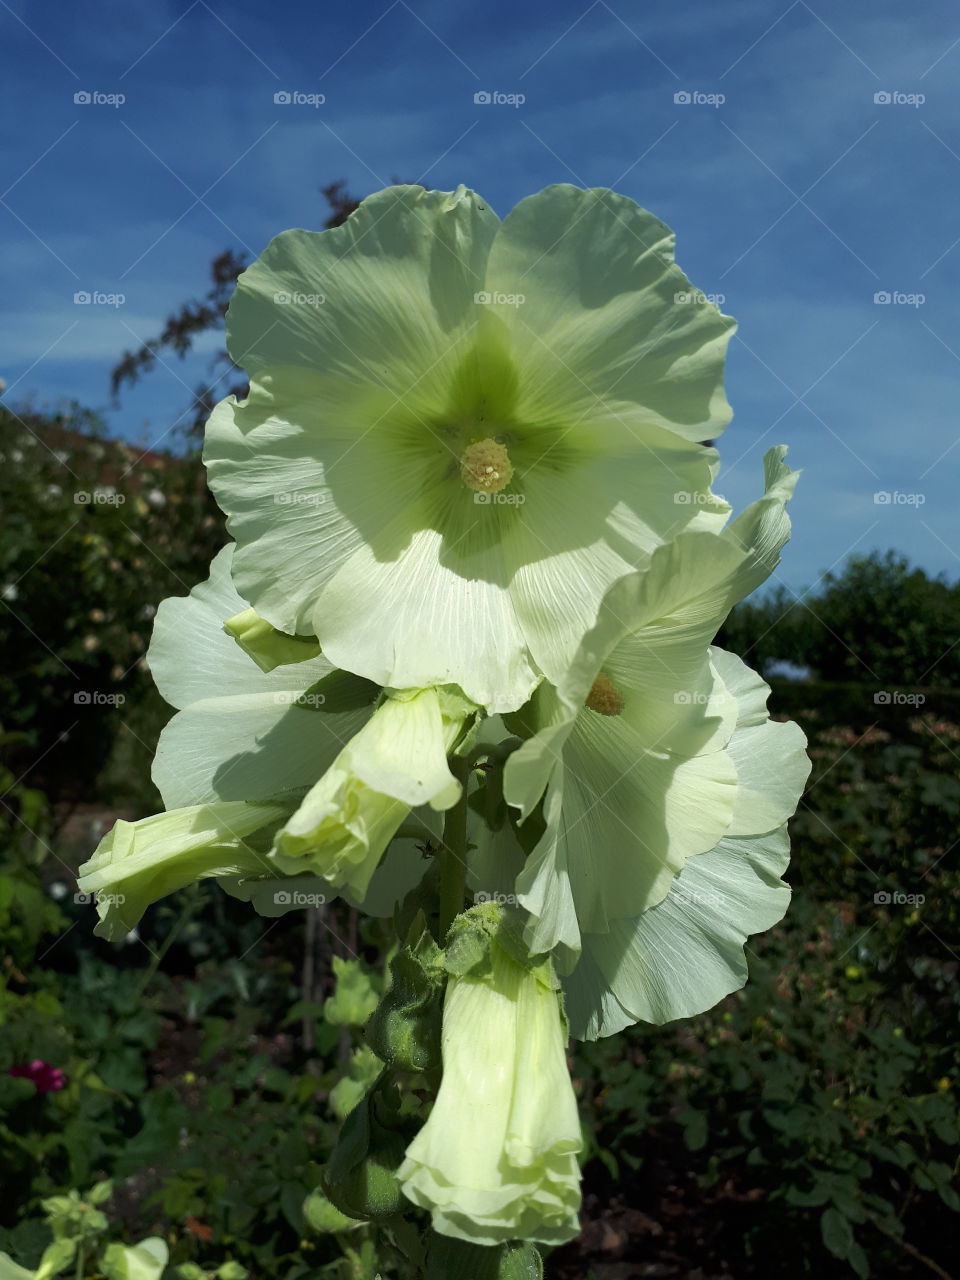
(453, 856)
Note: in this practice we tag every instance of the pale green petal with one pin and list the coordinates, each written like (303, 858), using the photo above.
(430, 617)
(600, 324)
(340, 831)
(241, 734)
(544, 887)
(192, 658)
(397, 281)
(772, 770)
(496, 1159)
(750, 689)
(138, 862)
(764, 527)
(583, 527)
(630, 819)
(770, 757)
(396, 762)
(686, 953)
(308, 473)
(251, 748)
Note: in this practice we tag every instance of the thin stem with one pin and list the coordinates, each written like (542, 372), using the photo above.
(453, 856)
(191, 898)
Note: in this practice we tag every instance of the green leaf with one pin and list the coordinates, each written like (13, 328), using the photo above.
(836, 1232)
(858, 1260)
(56, 1257)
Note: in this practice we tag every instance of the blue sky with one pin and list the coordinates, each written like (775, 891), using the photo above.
(799, 197)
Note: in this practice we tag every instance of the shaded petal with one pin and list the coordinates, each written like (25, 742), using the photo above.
(242, 734)
(685, 954)
(192, 658)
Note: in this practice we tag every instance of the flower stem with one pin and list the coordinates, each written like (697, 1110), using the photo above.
(453, 856)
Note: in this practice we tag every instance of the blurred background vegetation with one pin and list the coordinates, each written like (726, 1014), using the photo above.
(807, 1125)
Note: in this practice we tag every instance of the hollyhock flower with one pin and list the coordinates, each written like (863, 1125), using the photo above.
(265, 774)
(46, 1079)
(661, 769)
(137, 863)
(459, 431)
(497, 1157)
(397, 761)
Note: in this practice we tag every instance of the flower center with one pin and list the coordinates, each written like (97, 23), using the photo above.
(604, 697)
(485, 466)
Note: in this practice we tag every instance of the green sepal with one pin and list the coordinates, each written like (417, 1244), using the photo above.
(405, 1028)
(360, 1177)
(470, 937)
(451, 1259)
(268, 647)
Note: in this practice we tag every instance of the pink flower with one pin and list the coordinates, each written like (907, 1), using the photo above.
(46, 1079)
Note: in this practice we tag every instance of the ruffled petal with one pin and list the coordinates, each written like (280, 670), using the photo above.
(604, 321)
(685, 954)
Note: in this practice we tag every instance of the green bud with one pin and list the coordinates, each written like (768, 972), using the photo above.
(268, 647)
(360, 1178)
(324, 1217)
(451, 1259)
(405, 1029)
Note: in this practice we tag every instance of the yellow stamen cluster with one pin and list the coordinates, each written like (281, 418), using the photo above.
(605, 697)
(485, 466)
